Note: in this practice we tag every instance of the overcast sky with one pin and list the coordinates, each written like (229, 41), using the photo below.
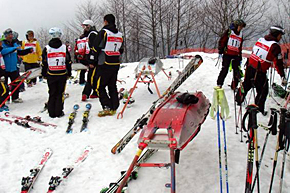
(21, 15)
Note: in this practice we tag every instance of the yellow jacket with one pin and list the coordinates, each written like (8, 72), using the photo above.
(36, 55)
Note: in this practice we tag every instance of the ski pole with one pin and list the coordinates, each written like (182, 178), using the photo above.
(286, 148)
(252, 111)
(219, 149)
(272, 127)
(281, 125)
(226, 157)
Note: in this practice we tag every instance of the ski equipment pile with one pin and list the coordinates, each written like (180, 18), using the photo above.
(86, 117)
(27, 182)
(71, 118)
(187, 71)
(55, 181)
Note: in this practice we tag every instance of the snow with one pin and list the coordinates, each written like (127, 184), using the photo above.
(198, 171)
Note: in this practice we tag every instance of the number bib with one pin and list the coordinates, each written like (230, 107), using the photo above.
(83, 46)
(2, 64)
(261, 50)
(114, 43)
(30, 45)
(56, 58)
(234, 43)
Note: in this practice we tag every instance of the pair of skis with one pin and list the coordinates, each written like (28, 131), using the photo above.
(28, 118)
(28, 182)
(22, 123)
(73, 115)
(187, 71)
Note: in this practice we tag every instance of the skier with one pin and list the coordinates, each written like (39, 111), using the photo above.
(230, 49)
(9, 52)
(82, 50)
(106, 50)
(32, 60)
(19, 59)
(265, 52)
(56, 68)
(3, 86)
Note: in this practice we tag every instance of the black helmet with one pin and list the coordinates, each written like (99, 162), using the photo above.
(276, 30)
(239, 22)
(15, 35)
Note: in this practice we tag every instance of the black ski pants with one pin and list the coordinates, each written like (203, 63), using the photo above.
(108, 78)
(56, 86)
(91, 80)
(28, 66)
(227, 60)
(257, 80)
(13, 75)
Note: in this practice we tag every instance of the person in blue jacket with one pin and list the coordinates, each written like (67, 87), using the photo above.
(9, 52)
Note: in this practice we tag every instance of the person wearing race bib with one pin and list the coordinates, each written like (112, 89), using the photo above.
(266, 52)
(33, 59)
(106, 52)
(56, 68)
(82, 49)
(230, 49)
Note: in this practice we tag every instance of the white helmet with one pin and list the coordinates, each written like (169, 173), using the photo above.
(88, 22)
(55, 32)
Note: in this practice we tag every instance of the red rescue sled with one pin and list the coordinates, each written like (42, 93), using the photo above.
(172, 126)
(185, 121)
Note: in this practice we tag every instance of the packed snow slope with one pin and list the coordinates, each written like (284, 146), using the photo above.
(198, 171)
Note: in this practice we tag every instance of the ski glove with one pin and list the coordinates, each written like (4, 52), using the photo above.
(219, 100)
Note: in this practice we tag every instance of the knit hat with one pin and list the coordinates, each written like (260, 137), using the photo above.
(110, 18)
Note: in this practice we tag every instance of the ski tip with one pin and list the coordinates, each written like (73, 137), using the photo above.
(76, 107)
(89, 147)
(88, 106)
(198, 56)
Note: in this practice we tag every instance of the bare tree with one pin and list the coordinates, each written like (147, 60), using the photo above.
(42, 36)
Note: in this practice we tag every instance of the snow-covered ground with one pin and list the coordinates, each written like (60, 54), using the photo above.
(21, 149)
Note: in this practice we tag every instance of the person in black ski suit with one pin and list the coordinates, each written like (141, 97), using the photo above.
(106, 52)
(85, 40)
(56, 68)
(266, 52)
(230, 46)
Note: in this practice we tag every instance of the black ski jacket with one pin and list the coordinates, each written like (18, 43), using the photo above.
(55, 43)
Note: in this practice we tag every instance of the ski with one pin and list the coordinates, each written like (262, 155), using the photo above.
(56, 180)
(86, 117)
(71, 118)
(28, 118)
(23, 123)
(114, 186)
(27, 182)
(187, 71)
